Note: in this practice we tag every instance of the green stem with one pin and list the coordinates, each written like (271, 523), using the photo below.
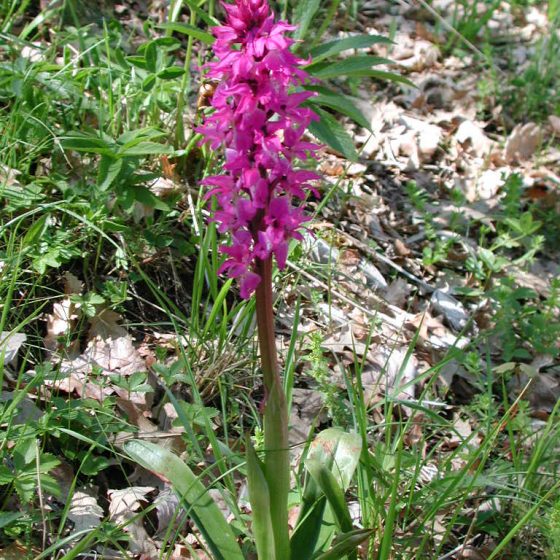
(277, 453)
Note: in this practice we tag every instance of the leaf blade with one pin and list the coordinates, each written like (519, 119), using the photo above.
(338, 46)
(329, 131)
(205, 513)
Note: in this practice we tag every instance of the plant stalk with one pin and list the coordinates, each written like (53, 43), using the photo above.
(275, 414)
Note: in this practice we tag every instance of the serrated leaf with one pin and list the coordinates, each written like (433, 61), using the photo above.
(341, 103)
(186, 29)
(340, 45)
(356, 66)
(201, 508)
(303, 16)
(329, 131)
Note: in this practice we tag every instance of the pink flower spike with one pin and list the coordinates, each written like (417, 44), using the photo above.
(259, 122)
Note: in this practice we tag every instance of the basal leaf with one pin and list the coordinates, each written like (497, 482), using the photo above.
(345, 544)
(259, 496)
(329, 131)
(341, 103)
(186, 29)
(201, 508)
(303, 16)
(109, 169)
(338, 46)
(356, 66)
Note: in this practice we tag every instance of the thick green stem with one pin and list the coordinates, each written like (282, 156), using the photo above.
(277, 453)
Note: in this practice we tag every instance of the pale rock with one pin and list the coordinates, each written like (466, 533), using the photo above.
(33, 53)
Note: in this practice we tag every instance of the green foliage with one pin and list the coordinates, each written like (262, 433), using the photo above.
(205, 513)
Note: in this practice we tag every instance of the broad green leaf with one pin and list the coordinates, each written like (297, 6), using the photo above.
(151, 56)
(201, 508)
(134, 136)
(109, 168)
(340, 45)
(345, 544)
(147, 197)
(340, 103)
(308, 536)
(329, 131)
(356, 66)
(86, 143)
(138, 61)
(36, 231)
(303, 16)
(145, 148)
(328, 484)
(149, 82)
(7, 517)
(186, 29)
(389, 77)
(259, 496)
(338, 452)
(171, 73)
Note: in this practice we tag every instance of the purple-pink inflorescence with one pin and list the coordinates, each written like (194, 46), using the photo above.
(259, 121)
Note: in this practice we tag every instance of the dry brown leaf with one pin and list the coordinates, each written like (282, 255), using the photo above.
(401, 248)
(105, 325)
(72, 284)
(84, 511)
(398, 292)
(473, 139)
(123, 507)
(554, 123)
(342, 340)
(10, 344)
(114, 355)
(60, 322)
(523, 142)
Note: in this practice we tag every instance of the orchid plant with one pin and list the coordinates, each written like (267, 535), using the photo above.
(258, 123)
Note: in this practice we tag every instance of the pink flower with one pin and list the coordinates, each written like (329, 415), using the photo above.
(259, 123)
